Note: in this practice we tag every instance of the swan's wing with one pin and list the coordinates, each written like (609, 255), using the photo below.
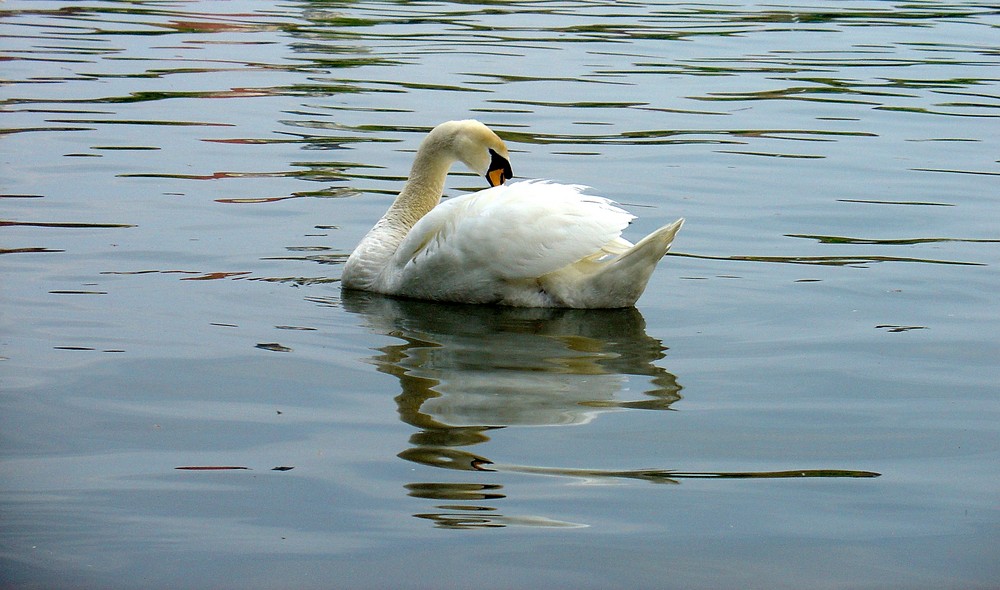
(515, 231)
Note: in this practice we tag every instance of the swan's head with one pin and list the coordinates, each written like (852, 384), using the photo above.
(477, 147)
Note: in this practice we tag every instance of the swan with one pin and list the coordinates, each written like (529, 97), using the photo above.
(526, 244)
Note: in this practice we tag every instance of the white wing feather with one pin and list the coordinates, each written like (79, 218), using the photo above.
(520, 230)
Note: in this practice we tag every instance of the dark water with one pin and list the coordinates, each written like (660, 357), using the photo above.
(805, 397)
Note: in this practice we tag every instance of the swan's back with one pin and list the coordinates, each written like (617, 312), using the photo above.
(515, 244)
(516, 231)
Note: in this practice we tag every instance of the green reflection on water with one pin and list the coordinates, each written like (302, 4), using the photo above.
(466, 371)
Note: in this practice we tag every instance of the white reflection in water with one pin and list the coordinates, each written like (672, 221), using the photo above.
(465, 370)
(480, 366)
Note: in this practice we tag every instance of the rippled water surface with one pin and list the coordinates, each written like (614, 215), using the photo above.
(805, 397)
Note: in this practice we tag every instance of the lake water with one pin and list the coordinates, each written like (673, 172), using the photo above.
(805, 397)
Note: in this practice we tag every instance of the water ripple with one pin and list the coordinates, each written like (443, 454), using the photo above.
(183, 181)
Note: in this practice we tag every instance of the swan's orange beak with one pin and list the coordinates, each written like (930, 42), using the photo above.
(499, 170)
(495, 177)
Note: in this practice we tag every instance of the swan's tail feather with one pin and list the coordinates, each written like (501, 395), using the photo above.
(623, 280)
(618, 282)
(653, 247)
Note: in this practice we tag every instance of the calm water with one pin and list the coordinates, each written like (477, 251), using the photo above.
(805, 397)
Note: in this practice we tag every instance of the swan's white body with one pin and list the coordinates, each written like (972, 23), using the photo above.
(529, 244)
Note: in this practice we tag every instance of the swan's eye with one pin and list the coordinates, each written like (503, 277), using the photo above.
(499, 170)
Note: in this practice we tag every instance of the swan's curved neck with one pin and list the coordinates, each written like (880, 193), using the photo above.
(424, 187)
(370, 266)
(421, 193)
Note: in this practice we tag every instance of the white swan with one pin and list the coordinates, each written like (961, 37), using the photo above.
(527, 244)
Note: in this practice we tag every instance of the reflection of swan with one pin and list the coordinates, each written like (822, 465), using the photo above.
(466, 368)
(529, 244)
